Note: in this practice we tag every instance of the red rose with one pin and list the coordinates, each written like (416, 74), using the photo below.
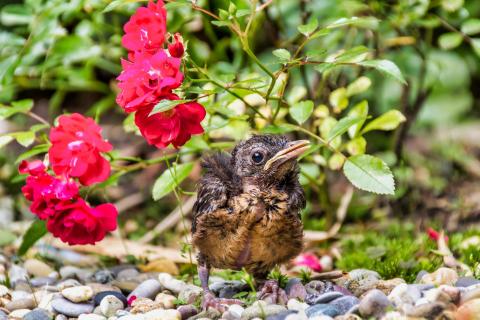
(176, 48)
(75, 151)
(147, 78)
(174, 126)
(146, 29)
(78, 223)
(45, 191)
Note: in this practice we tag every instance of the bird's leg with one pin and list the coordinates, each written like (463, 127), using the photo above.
(209, 300)
(272, 293)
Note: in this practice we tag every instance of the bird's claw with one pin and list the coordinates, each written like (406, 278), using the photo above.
(272, 293)
(220, 304)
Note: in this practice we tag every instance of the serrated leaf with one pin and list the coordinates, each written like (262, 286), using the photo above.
(301, 111)
(386, 122)
(361, 110)
(282, 54)
(342, 126)
(42, 148)
(170, 179)
(471, 26)
(4, 140)
(20, 106)
(36, 230)
(358, 86)
(369, 173)
(165, 105)
(25, 138)
(385, 66)
(308, 28)
(450, 40)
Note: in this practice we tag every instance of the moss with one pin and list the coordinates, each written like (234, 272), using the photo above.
(395, 252)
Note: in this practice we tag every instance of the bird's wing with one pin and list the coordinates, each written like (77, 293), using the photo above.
(214, 187)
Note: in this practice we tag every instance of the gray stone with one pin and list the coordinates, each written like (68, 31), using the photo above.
(99, 296)
(104, 276)
(374, 304)
(325, 298)
(147, 289)
(190, 293)
(42, 281)
(17, 273)
(187, 311)
(361, 280)
(345, 303)
(322, 310)
(466, 282)
(227, 289)
(295, 289)
(282, 315)
(261, 309)
(37, 314)
(127, 274)
(404, 294)
(27, 303)
(71, 309)
(426, 310)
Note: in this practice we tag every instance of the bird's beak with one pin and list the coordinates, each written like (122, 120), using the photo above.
(293, 150)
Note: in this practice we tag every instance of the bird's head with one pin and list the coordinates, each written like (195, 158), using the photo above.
(265, 159)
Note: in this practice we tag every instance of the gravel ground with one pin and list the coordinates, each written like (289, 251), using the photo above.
(37, 291)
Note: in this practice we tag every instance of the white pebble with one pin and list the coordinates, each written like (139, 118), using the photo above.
(78, 294)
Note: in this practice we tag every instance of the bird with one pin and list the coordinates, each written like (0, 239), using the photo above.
(247, 213)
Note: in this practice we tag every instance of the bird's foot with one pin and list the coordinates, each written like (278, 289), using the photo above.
(220, 304)
(272, 293)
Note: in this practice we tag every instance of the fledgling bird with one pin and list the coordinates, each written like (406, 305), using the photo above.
(247, 212)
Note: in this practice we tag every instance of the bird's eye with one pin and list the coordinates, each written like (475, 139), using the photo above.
(257, 157)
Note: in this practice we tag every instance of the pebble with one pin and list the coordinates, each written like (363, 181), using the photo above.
(98, 287)
(190, 293)
(386, 286)
(188, 310)
(37, 268)
(127, 274)
(404, 294)
(104, 276)
(110, 305)
(170, 283)
(374, 304)
(261, 309)
(18, 314)
(427, 310)
(67, 284)
(344, 304)
(317, 287)
(99, 296)
(143, 305)
(322, 310)
(91, 316)
(160, 314)
(37, 314)
(17, 273)
(208, 314)
(361, 280)
(42, 281)
(325, 298)
(4, 291)
(71, 309)
(282, 315)
(441, 276)
(466, 282)
(295, 289)
(470, 295)
(166, 300)
(227, 289)
(73, 272)
(26, 303)
(147, 289)
(61, 317)
(78, 294)
(294, 304)
(161, 265)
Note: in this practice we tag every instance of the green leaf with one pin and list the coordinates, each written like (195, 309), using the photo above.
(386, 122)
(342, 126)
(356, 146)
(301, 111)
(25, 138)
(36, 230)
(219, 23)
(165, 105)
(118, 3)
(369, 173)
(450, 40)
(170, 179)
(308, 28)
(364, 22)
(361, 110)
(338, 99)
(385, 66)
(353, 55)
(41, 148)
(358, 86)
(6, 237)
(242, 12)
(476, 46)
(471, 26)
(20, 106)
(4, 140)
(451, 5)
(15, 14)
(282, 54)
